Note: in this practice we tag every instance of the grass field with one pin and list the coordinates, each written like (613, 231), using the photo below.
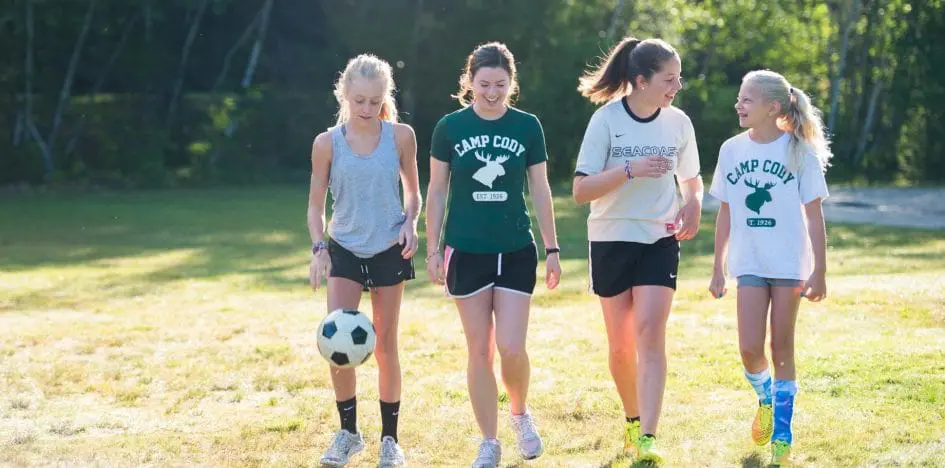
(176, 328)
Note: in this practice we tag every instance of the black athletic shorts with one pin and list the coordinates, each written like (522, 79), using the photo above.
(469, 273)
(618, 266)
(387, 268)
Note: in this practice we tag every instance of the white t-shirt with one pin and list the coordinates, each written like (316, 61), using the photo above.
(638, 210)
(768, 235)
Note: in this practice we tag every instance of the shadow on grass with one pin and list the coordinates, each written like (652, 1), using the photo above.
(261, 233)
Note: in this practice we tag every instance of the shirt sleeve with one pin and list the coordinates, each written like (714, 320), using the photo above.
(595, 147)
(439, 142)
(719, 189)
(812, 182)
(687, 165)
(538, 152)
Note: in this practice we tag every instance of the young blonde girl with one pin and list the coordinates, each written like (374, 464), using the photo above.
(770, 234)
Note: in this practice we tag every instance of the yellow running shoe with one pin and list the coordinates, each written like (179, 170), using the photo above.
(780, 453)
(648, 452)
(631, 444)
(764, 424)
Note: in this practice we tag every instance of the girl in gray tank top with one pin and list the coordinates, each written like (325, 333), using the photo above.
(367, 212)
(363, 161)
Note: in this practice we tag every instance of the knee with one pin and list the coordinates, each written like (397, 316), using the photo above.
(512, 351)
(752, 352)
(386, 344)
(651, 331)
(480, 353)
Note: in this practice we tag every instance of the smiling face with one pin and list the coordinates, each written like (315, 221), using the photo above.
(490, 87)
(752, 108)
(661, 88)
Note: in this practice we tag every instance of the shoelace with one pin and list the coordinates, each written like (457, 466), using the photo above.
(487, 453)
(389, 449)
(524, 427)
(341, 444)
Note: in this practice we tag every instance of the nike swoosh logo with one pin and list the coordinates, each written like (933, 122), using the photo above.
(672, 276)
(619, 135)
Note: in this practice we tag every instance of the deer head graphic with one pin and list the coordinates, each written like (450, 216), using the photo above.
(759, 197)
(493, 169)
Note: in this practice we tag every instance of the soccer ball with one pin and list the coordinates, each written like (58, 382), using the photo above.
(346, 338)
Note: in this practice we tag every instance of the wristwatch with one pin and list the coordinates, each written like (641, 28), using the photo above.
(552, 251)
(318, 246)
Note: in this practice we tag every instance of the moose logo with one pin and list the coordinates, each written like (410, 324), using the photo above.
(493, 169)
(759, 197)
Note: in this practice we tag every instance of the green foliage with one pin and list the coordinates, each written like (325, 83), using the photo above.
(885, 123)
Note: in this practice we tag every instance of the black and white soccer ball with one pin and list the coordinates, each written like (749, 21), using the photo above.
(346, 338)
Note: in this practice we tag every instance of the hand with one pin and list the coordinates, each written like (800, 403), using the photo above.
(815, 289)
(717, 285)
(687, 220)
(653, 166)
(408, 239)
(319, 269)
(435, 268)
(552, 271)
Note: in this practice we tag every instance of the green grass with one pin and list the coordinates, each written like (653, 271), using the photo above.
(176, 328)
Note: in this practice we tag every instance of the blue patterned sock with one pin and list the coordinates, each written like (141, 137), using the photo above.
(761, 382)
(784, 391)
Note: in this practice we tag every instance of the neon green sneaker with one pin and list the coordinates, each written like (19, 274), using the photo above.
(631, 444)
(648, 452)
(780, 453)
(763, 425)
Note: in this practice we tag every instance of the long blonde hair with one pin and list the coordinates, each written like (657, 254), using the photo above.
(373, 68)
(798, 117)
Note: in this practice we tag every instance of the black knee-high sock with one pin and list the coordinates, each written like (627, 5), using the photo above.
(348, 412)
(389, 413)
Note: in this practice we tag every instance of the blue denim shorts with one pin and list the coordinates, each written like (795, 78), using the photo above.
(759, 282)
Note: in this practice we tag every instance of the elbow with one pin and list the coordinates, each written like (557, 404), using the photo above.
(580, 197)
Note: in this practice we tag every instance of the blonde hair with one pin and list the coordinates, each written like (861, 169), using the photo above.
(373, 68)
(798, 117)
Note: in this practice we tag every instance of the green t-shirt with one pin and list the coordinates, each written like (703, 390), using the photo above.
(488, 161)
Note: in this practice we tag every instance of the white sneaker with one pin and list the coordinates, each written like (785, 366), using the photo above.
(343, 447)
(391, 454)
(529, 442)
(490, 454)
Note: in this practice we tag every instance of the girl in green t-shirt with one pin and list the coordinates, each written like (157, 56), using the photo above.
(481, 157)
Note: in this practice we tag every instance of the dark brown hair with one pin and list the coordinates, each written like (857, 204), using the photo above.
(489, 55)
(617, 73)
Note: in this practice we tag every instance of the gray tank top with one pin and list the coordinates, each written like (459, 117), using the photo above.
(367, 213)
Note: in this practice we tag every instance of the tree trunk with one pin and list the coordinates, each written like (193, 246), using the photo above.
(182, 69)
(413, 62)
(837, 81)
(251, 64)
(868, 123)
(66, 92)
(614, 20)
(254, 24)
(125, 33)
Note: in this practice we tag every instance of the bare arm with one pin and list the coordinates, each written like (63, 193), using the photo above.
(586, 189)
(690, 215)
(321, 165)
(436, 209)
(540, 189)
(723, 223)
(407, 146)
(816, 287)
